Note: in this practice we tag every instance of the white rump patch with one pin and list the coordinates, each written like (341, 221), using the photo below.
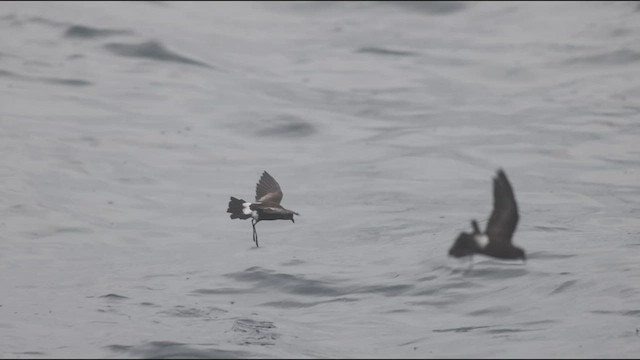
(482, 240)
(245, 208)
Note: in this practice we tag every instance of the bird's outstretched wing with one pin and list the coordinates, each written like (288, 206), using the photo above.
(268, 190)
(504, 217)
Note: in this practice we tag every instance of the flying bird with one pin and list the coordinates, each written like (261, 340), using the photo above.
(266, 207)
(496, 241)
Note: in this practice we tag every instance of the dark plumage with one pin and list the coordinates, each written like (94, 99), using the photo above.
(266, 207)
(502, 224)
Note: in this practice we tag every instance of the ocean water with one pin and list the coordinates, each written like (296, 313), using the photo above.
(125, 127)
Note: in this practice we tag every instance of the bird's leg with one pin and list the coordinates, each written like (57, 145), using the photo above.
(255, 234)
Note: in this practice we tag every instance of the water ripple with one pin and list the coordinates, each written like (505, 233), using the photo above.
(294, 284)
(382, 51)
(289, 304)
(113, 296)
(617, 57)
(634, 313)
(564, 286)
(254, 332)
(432, 7)
(176, 350)
(461, 329)
(87, 32)
(50, 80)
(151, 50)
(286, 126)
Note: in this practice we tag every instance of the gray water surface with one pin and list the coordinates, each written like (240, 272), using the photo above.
(125, 128)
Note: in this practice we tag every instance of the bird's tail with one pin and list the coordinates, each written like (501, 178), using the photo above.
(236, 209)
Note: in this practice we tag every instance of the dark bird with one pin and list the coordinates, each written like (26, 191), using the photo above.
(496, 240)
(266, 207)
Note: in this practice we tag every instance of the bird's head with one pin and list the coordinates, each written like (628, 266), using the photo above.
(290, 216)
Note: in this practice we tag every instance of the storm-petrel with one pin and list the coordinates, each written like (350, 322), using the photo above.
(266, 207)
(496, 240)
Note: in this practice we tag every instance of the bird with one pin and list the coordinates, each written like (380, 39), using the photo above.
(496, 240)
(266, 207)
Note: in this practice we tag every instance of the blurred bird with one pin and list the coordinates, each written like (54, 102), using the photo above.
(496, 240)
